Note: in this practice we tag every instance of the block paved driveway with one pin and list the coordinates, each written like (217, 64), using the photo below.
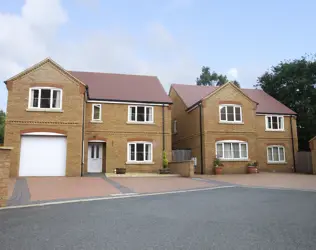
(30, 190)
(42, 189)
(267, 180)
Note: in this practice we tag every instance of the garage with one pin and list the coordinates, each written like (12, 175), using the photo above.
(43, 155)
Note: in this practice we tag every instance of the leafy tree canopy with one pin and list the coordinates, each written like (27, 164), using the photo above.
(208, 78)
(293, 83)
(2, 120)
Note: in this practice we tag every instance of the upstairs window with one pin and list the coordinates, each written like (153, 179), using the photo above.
(96, 112)
(143, 114)
(232, 150)
(230, 113)
(139, 152)
(276, 154)
(275, 122)
(175, 126)
(45, 98)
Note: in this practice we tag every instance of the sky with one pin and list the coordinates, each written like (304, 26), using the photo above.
(171, 39)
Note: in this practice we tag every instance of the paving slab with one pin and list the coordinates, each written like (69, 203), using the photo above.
(268, 180)
(59, 188)
(11, 184)
(21, 194)
(162, 184)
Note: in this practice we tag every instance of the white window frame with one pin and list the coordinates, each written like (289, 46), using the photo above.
(39, 98)
(129, 160)
(273, 161)
(232, 158)
(129, 115)
(100, 118)
(175, 126)
(280, 127)
(230, 105)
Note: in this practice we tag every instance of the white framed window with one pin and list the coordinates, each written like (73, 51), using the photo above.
(275, 122)
(45, 98)
(230, 113)
(275, 154)
(96, 112)
(232, 150)
(175, 126)
(139, 152)
(142, 114)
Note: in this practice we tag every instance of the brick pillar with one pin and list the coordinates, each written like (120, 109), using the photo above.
(312, 145)
(5, 158)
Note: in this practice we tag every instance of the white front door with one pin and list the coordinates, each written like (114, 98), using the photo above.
(95, 152)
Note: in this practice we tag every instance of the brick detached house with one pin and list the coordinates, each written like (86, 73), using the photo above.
(236, 125)
(67, 123)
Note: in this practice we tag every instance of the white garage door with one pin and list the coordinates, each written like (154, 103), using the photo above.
(43, 156)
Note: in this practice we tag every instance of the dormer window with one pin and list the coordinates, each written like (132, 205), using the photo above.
(230, 113)
(45, 98)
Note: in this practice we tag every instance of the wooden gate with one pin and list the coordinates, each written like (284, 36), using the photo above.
(304, 162)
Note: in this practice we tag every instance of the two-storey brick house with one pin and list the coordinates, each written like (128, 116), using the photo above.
(67, 123)
(236, 125)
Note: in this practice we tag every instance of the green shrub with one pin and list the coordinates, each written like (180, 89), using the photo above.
(164, 160)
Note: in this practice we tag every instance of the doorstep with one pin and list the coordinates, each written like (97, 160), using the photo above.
(110, 175)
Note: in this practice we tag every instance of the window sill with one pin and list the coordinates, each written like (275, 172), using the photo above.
(277, 163)
(275, 130)
(237, 123)
(235, 160)
(44, 110)
(96, 121)
(141, 123)
(139, 163)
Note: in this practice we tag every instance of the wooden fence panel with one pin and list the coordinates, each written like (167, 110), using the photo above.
(304, 162)
(179, 155)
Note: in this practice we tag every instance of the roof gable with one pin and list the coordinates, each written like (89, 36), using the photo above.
(38, 65)
(225, 86)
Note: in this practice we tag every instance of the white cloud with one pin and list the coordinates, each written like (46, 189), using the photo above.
(232, 74)
(32, 35)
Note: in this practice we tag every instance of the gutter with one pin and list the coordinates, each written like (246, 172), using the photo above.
(83, 132)
(201, 140)
(293, 150)
(163, 127)
(127, 101)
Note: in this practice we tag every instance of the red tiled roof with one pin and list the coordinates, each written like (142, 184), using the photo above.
(192, 94)
(120, 87)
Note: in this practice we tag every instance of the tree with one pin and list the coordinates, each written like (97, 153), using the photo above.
(2, 120)
(210, 79)
(294, 84)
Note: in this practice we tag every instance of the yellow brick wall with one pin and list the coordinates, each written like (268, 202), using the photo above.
(116, 130)
(188, 128)
(69, 120)
(4, 174)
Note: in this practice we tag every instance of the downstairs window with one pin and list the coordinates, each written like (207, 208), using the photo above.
(232, 150)
(139, 152)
